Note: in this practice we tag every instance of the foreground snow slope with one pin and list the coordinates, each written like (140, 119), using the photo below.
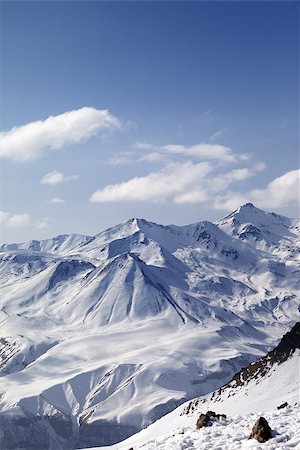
(231, 433)
(108, 333)
(256, 390)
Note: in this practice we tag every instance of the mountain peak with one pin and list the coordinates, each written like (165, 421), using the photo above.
(247, 206)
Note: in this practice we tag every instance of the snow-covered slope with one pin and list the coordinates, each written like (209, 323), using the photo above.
(259, 389)
(108, 333)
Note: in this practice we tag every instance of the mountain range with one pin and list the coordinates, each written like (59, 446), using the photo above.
(102, 335)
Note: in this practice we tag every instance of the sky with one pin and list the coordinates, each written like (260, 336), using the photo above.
(171, 111)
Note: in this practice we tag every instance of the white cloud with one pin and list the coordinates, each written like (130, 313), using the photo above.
(153, 157)
(14, 220)
(280, 192)
(196, 196)
(120, 159)
(218, 133)
(174, 179)
(144, 146)
(56, 177)
(57, 200)
(179, 182)
(165, 153)
(21, 220)
(42, 223)
(203, 151)
(31, 141)
(18, 220)
(222, 181)
(3, 216)
(134, 158)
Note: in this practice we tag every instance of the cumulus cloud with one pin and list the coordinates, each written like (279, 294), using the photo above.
(186, 182)
(57, 200)
(31, 141)
(18, 220)
(172, 180)
(280, 192)
(56, 177)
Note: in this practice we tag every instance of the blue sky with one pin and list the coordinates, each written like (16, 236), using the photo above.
(171, 111)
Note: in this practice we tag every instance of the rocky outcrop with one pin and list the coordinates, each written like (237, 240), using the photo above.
(207, 419)
(261, 430)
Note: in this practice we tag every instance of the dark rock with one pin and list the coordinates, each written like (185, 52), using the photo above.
(205, 420)
(202, 421)
(261, 430)
(284, 405)
(212, 414)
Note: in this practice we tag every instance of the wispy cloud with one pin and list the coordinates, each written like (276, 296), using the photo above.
(203, 151)
(22, 220)
(153, 157)
(31, 141)
(280, 192)
(223, 180)
(42, 223)
(133, 157)
(144, 146)
(57, 200)
(56, 177)
(124, 157)
(218, 134)
(3, 216)
(146, 152)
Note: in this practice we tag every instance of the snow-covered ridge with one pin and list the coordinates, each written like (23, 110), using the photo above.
(110, 332)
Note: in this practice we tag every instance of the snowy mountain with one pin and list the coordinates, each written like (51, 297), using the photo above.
(102, 335)
(268, 387)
